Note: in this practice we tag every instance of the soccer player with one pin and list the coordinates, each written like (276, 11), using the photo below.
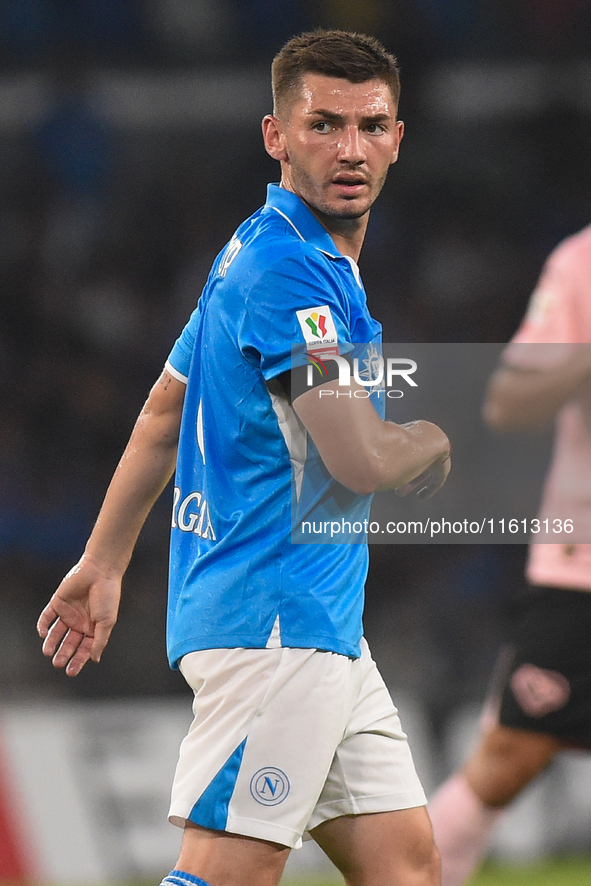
(294, 730)
(540, 700)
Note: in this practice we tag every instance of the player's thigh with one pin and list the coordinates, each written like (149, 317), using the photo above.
(227, 859)
(381, 849)
(372, 770)
(506, 760)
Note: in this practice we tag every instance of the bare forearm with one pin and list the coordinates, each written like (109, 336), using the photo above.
(519, 399)
(143, 472)
(406, 452)
(363, 452)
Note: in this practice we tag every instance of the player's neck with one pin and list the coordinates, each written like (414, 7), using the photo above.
(348, 234)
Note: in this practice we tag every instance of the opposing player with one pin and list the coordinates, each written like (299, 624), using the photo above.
(541, 698)
(294, 730)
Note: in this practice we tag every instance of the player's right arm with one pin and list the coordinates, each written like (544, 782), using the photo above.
(367, 454)
(520, 398)
(78, 620)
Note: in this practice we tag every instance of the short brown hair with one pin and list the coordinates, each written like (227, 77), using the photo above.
(334, 53)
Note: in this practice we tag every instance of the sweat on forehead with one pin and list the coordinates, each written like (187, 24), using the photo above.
(311, 90)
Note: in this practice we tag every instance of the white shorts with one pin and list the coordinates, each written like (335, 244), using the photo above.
(284, 739)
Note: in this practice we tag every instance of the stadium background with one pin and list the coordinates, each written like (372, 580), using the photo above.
(129, 150)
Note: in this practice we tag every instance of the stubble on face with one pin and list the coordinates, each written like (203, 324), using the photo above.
(345, 208)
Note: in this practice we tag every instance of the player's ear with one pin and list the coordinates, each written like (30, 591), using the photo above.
(399, 133)
(274, 138)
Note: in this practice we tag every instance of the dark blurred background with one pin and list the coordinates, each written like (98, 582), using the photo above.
(130, 149)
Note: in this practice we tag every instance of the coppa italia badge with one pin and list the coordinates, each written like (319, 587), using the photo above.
(318, 329)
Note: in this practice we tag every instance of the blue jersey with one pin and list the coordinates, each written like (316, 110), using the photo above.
(245, 463)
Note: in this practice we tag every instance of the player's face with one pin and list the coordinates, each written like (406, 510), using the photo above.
(336, 143)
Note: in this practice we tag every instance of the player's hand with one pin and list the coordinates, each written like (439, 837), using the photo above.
(429, 482)
(77, 622)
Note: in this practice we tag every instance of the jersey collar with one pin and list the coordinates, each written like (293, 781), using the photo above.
(296, 213)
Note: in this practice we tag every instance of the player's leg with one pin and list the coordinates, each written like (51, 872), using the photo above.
(223, 859)
(382, 849)
(468, 805)
(371, 818)
(255, 759)
(540, 695)
(506, 761)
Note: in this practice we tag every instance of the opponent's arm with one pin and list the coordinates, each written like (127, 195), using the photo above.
(78, 620)
(367, 454)
(521, 399)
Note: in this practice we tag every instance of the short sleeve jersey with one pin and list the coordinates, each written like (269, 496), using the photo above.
(236, 578)
(560, 313)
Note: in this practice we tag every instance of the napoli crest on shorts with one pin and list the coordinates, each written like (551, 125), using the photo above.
(269, 786)
(538, 691)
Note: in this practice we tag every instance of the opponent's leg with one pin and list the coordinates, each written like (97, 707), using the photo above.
(222, 859)
(506, 760)
(383, 848)
(462, 825)
(467, 806)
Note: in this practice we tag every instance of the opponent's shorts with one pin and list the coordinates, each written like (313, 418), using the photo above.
(544, 674)
(285, 739)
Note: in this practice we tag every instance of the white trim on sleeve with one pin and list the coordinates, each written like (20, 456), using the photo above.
(175, 373)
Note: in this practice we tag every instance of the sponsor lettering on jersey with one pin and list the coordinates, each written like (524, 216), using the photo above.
(192, 514)
(319, 330)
